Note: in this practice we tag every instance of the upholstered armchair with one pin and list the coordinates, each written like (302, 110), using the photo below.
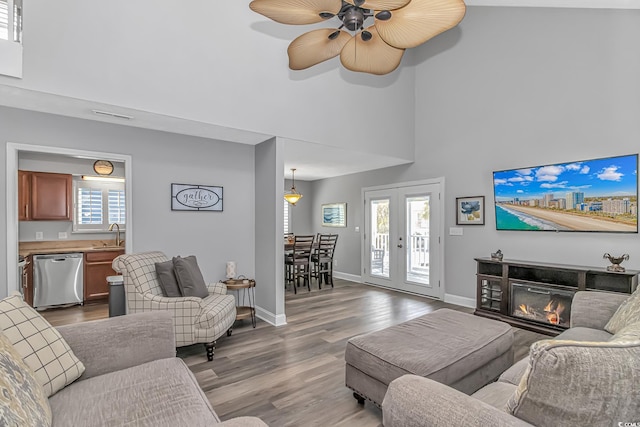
(197, 320)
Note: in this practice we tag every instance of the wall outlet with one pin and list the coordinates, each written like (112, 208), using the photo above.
(357, 229)
(62, 235)
(335, 262)
(39, 235)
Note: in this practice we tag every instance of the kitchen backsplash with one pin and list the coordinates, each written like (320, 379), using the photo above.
(56, 230)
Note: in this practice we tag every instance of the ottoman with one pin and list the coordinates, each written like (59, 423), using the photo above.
(458, 349)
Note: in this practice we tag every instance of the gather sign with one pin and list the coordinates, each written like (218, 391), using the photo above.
(191, 197)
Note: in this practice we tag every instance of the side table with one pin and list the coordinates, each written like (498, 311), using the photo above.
(246, 298)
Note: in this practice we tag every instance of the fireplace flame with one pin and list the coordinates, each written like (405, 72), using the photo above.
(524, 308)
(551, 312)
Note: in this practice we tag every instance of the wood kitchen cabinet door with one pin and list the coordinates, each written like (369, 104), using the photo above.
(51, 197)
(97, 267)
(24, 195)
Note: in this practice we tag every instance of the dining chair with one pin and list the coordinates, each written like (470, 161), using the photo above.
(322, 258)
(298, 261)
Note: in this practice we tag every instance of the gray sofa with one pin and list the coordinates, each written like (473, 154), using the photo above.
(584, 376)
(132, 377)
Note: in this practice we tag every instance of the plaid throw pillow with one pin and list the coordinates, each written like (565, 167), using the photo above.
(40, 345)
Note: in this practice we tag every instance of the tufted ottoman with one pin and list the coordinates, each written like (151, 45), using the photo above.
(458, 349)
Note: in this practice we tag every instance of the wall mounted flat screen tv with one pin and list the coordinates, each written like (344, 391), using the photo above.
(589, 195)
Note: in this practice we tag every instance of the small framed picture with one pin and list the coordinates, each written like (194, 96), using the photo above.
(470, 210)
(334, 215)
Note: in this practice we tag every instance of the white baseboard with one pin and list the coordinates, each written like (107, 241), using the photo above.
(347, 276)
(458, 300)
(269, 317)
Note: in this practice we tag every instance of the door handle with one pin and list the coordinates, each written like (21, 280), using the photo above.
(400, 245)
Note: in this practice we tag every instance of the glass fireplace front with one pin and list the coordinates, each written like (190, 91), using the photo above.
(551, 306)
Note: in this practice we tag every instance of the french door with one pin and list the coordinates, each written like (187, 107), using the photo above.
(402, 238)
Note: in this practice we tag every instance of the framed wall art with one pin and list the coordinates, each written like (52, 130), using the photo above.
(470, 210)
(191, 197)
(334, 215)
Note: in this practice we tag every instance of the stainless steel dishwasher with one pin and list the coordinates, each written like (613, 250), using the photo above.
(57, 279)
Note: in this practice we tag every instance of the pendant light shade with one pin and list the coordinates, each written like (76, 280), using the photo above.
(293, 196)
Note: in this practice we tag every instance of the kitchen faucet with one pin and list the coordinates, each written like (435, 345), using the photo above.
(117, 232)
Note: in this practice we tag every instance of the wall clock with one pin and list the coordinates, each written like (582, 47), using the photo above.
(103, 167)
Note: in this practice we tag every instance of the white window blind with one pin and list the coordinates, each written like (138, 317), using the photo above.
(89, 203)
(286, 217)
(97, 205)
(11, 11)
(116, 206)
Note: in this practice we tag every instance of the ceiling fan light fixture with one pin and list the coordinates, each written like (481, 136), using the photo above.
(398, 25)
(293, 196)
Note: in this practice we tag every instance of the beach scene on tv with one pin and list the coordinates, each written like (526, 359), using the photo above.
(590, 195)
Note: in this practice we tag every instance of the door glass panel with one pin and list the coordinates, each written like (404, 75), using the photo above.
(417, 247)
(379, 238)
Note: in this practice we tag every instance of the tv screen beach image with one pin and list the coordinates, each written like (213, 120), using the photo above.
(589, 195)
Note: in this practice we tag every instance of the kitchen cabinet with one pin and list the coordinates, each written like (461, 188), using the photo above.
(24, 195)
(97, 267)
(44, 196)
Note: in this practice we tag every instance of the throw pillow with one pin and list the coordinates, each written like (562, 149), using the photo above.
(627, 334)
(40, 345)
(189, 277)
(573, 383)
(626, 314)
(22, 401)
(167, 279)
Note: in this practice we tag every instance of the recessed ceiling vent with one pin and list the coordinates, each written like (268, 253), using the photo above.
(110, 114)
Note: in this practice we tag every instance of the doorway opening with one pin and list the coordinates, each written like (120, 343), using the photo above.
(13, 151)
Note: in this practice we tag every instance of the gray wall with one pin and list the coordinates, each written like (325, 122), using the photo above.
(158, 160)
(509, 88)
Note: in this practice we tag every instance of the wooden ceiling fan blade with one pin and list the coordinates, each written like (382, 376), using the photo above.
(380, 4)
(296, 12)
(315, 47)
(373, 56)
(420, 20)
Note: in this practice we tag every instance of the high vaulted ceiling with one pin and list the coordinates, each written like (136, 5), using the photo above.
(218, 70)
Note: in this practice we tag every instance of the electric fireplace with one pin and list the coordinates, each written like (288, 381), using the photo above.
(551, 306)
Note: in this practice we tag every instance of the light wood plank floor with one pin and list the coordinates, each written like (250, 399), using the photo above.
(293, 375)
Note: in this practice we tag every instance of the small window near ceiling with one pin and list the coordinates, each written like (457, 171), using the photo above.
(97, 205)
(11, 38)
(286, 217)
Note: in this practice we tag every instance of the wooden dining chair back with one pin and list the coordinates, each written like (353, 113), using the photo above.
(298, 261)
(322, 258)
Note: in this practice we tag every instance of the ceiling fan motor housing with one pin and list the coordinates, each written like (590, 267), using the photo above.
(353, 18)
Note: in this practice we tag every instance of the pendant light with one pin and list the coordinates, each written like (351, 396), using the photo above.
(293, 196)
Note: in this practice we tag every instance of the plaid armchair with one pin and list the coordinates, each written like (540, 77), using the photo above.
(196, 320)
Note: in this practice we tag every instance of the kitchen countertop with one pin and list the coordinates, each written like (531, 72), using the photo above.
(66, 246)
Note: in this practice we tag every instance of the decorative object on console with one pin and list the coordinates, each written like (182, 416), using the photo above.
(231, 269)
(470, 210)
(293, 196)
(615, 262)
(378, 49)
(589, 195)
(191, 197)
(334, 215)
(497, 255)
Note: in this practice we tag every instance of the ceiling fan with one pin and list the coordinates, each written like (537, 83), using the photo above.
(376, 49)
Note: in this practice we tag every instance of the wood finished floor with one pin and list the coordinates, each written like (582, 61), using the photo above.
(293, 375)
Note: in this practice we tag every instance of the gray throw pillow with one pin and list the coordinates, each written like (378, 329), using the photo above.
(167, 279)
(189, 277)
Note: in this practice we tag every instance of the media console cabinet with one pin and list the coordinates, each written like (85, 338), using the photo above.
(537, 296)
